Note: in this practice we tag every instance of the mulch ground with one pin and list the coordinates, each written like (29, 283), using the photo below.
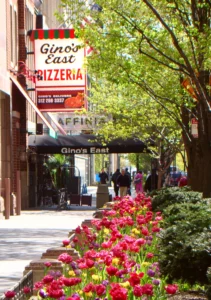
(188, 296)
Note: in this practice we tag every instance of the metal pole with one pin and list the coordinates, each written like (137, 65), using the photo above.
(7, 198)
(18, 204)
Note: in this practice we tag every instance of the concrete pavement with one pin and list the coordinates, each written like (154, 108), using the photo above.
(24, 238)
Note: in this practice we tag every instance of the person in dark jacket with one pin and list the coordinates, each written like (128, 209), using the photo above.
(103, 177)
(151, 182)
(114, 180)
(123, 181)
(129, 175)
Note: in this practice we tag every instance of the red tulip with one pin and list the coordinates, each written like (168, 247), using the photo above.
(155, 229)
(75, 239)
(55, 293)
(111, 270)
(89, 288)
(140, 242)
(65, 258)
(150, 255)
(100, 289)
(75, 297)
(106, 245)
(10, 294)
(171, 289)
(56, 284)
(90, 263)
(47, 279)
(48, 264)
(137, 291)
(117, 292)
(108, 260)
(66, 242)
(38, 285)
(148, 289)
(26, 290)
(145, 231)
(90, 254)
(78, 230)
(134, 279)
(82, 265)
(141, 220)
(134, 248)
(71, 281)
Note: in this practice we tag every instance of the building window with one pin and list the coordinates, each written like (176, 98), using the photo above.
(13, 36)
(11, 33)
(15, 39)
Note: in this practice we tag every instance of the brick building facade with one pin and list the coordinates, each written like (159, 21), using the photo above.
(17, 116)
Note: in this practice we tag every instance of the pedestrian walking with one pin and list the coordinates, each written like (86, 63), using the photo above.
(123, 182)
(103, 177)
(138, 182)
(114, 180)
(151, 182)
(129, 175)
(183, 181)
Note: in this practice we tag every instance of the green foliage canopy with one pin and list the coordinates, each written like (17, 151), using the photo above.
(142, 51)
(142, 94)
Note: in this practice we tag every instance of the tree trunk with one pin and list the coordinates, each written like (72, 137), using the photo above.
(199, 155)
(195, 162)
(206, 185)
(160, 175)
(137, 162)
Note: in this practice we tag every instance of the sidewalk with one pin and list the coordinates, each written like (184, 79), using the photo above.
(24, 238)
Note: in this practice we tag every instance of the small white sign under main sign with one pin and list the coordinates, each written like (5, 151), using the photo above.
(194, 128)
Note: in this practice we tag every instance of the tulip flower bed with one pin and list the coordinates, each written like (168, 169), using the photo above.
(118, 258)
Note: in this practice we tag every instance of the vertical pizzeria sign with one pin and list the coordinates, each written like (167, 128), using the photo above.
(59, 62)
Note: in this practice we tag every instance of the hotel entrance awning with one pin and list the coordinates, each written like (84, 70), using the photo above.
(83, 144)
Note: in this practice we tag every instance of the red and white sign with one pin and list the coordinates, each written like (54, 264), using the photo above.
(60, 73)
(61, 100)
(194, 128)
(60, 62)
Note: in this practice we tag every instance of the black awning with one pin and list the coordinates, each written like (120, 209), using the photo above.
(83, 144)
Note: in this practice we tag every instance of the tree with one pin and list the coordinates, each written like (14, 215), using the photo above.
(141, 161)
(153, 47)
(54, 164)
(137, 116)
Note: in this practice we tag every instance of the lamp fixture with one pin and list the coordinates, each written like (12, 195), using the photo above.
(24, 71)
(27, 155)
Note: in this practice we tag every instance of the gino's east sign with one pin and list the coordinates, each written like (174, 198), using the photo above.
(90, 150)
(59, 58)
